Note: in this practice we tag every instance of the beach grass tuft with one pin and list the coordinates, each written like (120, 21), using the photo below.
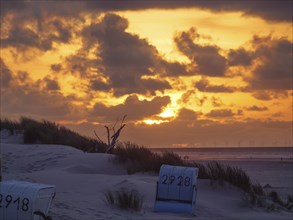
(124, 199)
(109, 197)
(274, 196)
(232, 175)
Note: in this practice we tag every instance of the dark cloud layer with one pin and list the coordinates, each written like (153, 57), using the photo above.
(270, 9)
(23, 38)
(134, 108)
(211, 133)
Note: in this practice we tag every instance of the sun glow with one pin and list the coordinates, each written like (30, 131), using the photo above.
(168, 113)
(152, 122)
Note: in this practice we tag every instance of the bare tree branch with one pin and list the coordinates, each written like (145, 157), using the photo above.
(108, 133)
(122, 121)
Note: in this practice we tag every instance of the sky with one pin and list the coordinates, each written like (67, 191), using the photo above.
(186, 73)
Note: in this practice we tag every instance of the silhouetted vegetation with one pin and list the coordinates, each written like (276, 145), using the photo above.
(10, 125)
(47, 132)
(141, 159)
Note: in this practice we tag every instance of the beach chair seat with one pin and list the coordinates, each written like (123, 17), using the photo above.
(176, 189)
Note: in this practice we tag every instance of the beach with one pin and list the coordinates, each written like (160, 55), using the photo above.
(268, 166)
(81, 179)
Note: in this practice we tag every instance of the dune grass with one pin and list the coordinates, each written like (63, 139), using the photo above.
(46, 132)
(124, 199)
(10, 125)
(274, 196)
(140, 159)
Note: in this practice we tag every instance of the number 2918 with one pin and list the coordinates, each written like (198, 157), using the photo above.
(9, 200)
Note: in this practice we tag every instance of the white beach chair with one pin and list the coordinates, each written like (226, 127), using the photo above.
(176, 189)
(20, 200)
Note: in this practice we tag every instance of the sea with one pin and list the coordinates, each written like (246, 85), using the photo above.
(269, 166)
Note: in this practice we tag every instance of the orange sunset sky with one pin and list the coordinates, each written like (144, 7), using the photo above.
(186, 73)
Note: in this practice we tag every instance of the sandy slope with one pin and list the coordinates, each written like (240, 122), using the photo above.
(82, 178)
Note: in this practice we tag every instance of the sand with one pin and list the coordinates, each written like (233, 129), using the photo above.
(82, 178)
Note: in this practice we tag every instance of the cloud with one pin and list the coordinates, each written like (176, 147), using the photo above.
(121, 59)
(207, 59)
(269, 10)
(119, 49)
(134, 108)
(273, 69)
(5, 74)
(220, 113)
(256, 108)
(79, 65)
(51, 85)
(39, 10)
(190, 97)
(97, 85)
(186, 115)
(26, 34)
(267, 95)
(216, 102)
(22, 38)
(41, 99)
(190, 129)
(204, 86)
(56, 67)
(173, 69)
(240, 57)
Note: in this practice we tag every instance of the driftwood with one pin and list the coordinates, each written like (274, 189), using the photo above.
(112, 139)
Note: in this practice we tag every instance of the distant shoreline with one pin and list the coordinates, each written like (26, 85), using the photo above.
(217, 148)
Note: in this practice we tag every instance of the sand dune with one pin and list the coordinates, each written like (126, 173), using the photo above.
(82, 178)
